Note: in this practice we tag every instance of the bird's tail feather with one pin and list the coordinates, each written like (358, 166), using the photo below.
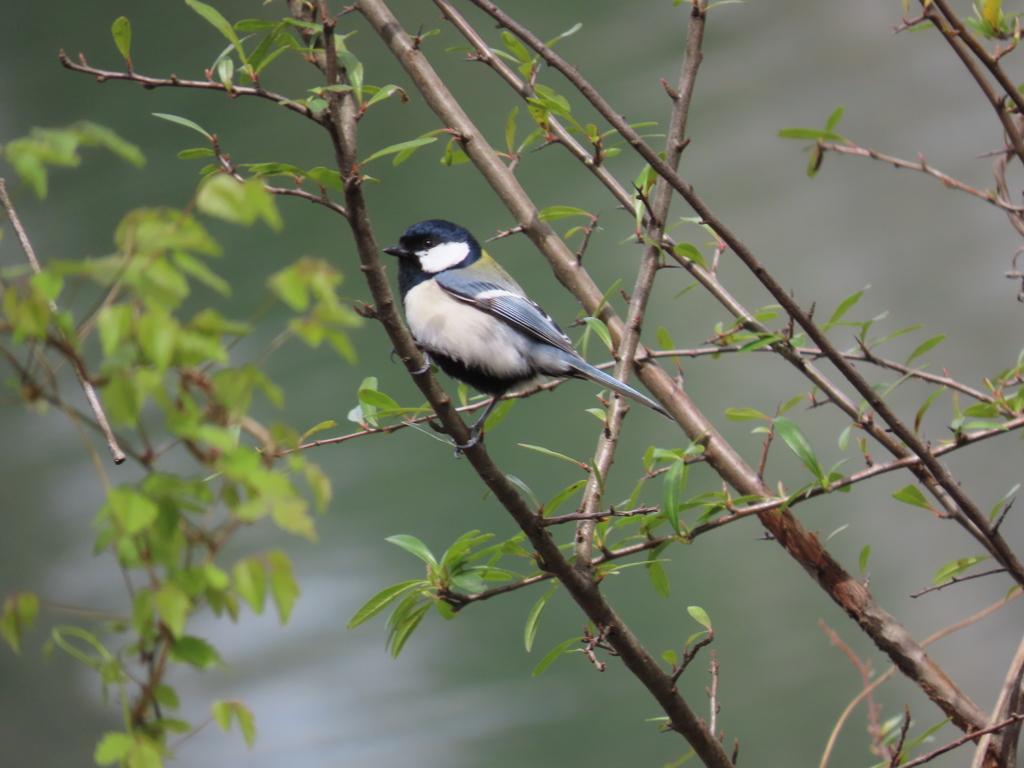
(598, 376)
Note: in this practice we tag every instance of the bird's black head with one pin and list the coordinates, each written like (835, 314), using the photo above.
(435, 246)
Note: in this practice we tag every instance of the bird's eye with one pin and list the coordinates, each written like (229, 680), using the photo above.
(428, 243)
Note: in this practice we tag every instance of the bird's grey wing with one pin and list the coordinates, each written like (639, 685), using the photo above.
(507, 304)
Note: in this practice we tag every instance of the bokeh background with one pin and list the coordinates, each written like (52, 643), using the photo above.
(461, 693)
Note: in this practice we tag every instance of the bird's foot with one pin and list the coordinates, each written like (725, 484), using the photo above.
(475, 436)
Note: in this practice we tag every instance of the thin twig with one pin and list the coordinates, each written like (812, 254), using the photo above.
(957, 580)
(867, 691)
(600, 515)
(961, 741)
(176, 82)
(971, 517)
(1008, 695)
(986, 195)
(83, 378)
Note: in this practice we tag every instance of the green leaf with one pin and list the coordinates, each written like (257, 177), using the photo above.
(113, 747)
(1003, 501)
(524, 488)
(225, 198)
(283, 586)
(182, 121)
(215, 18)
(700, 616)
(834, 118)
(744, 414)
(864, 555)
(326, 177)
(919, 417)
(224, 712)
(675, 482)
(377, 399)
(956, 567)
(19, 614)
(811, 134)
(547, 452)
(790, 404)
(193, 267)
(510, 130)
(553, 654)
(313, 430)
(844, 307)
(560, 212)
(382, 600)
(498, 414)
(516, 48)
(930, 344)
(925, 736)
(251, 583)
(691, 252)
(533, 620)
(122, 32)
(911, 494)
(656, 572)
(598, 327)
(403, 632)
(386, 92)
(798, 443)
(664, 339)
(134, 511)
(401, 147)
(114, 323)
(194, 651)
(570, 31)
(174, 606)
(561, 497)
(413, 545)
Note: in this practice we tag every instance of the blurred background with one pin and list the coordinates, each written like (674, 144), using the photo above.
(461, 693)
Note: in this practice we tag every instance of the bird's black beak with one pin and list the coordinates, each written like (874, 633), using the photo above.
(398, 250)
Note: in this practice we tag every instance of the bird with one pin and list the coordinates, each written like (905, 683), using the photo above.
(476, 323)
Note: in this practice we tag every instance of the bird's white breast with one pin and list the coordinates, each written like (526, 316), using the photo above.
(443, 324)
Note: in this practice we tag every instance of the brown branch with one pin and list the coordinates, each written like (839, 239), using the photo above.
(584, 590)
(847, 591)
(174, 81)
(83, 377)
(963, 44)
(629, 343)
(1009, 700)
(957, 580)
(923, 167)
(973, 519)
(866, 692)
(598, 516)
(961, 741)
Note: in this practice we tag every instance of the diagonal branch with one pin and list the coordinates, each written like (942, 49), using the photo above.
(76, 362)
(978, 523)
(581, 586)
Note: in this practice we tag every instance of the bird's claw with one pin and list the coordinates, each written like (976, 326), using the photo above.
(426, 363)
(475, 437)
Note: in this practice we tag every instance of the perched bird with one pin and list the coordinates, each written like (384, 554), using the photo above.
(476, 323)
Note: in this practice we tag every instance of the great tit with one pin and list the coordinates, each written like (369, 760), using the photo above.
(476, 323)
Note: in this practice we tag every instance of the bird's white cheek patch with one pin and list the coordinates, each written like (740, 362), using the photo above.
(442, 257)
